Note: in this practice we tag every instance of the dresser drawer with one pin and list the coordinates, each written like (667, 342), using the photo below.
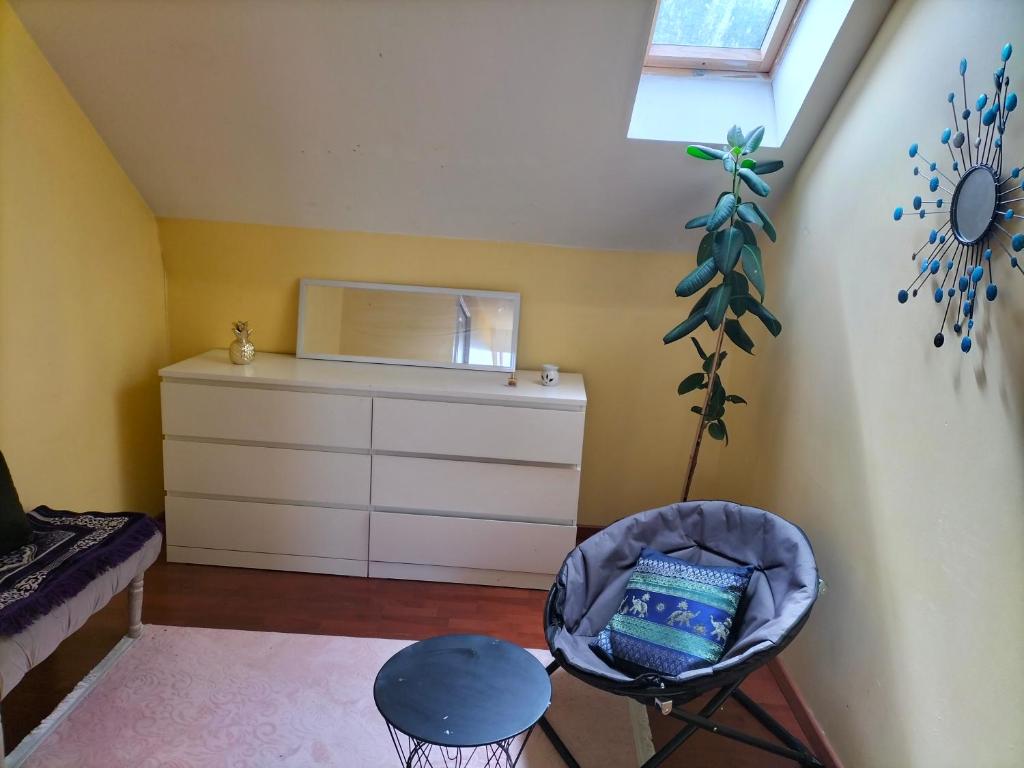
(265, 415)
(476, 489)
(251, 472)
(478, 431)
(275, 528)
(469, 543)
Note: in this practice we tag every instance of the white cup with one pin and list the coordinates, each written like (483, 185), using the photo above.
(549, 375)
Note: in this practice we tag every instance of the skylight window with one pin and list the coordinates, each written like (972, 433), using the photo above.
(736, 35)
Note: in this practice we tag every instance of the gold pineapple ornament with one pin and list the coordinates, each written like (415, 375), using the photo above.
(242, 350)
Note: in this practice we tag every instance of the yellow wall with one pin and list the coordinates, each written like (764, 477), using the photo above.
(601, 313)
(82, 320)
(902, 462)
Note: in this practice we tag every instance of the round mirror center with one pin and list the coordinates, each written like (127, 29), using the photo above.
(974, 204)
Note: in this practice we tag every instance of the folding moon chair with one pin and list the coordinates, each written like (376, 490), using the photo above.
(777, 603)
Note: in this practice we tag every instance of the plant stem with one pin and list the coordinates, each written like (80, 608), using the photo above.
(700, 427)
(695, 451)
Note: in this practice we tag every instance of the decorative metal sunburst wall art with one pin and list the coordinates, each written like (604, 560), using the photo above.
(967, 253)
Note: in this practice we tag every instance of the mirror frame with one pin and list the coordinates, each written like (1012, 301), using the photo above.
(305, 282)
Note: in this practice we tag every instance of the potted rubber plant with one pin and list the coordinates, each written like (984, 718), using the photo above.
(730, 272)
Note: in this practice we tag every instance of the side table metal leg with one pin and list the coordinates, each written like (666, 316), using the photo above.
(557, 743)
(414, 753)
(418, 754)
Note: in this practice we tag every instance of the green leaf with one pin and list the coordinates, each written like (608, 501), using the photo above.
(729, 164)
(698, 307)
(748, 162)
(716, 403)
(709, 361)
(700, 349)
(704, 249)
(768, 166)
(750, 256)
(699, 221)
(697, 409)
(687, 326)
(748, 233)
(690, 383)
(741, 304)
(704, 153)
(746, 213)
(738, 285)
(716, 430)
(762, 312)
(726, 249)
(738, 336)
(717, 304)
(753, 140)
(735, 136)
(735, 399)
(766, 223)
(751, 212)
(697, 279)
(723, 211)
(756, 184)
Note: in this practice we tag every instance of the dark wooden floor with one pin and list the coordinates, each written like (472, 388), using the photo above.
(230, 598)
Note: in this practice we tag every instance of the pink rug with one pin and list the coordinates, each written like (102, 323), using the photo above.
(195, 698)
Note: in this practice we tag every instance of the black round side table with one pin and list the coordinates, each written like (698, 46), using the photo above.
(447, 697)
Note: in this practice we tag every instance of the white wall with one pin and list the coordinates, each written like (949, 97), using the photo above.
(902, 462)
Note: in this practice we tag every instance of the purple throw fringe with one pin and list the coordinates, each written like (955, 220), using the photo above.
(74, 576)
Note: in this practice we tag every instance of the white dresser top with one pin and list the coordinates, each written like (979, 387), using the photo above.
(289, 372)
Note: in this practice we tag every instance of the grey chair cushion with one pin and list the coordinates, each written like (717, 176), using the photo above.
(779, 596)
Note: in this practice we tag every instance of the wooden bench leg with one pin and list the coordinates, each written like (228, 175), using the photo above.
(134, 608)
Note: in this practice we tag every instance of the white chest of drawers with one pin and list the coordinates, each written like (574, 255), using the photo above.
(379, 470)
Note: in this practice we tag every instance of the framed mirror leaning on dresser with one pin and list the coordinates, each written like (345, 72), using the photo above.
(407, 325)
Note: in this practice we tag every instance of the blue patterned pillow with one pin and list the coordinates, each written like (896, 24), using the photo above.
(675, 616)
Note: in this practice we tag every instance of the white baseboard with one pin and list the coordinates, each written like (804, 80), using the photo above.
(447, 573)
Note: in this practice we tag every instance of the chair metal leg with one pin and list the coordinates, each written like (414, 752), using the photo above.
(677, 741)
(771, 724)
(552, 734)
(794, 749)
(801, 757)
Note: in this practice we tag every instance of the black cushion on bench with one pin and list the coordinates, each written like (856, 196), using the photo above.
(14, 527)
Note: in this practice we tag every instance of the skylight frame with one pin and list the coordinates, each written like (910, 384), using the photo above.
(756, 60)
